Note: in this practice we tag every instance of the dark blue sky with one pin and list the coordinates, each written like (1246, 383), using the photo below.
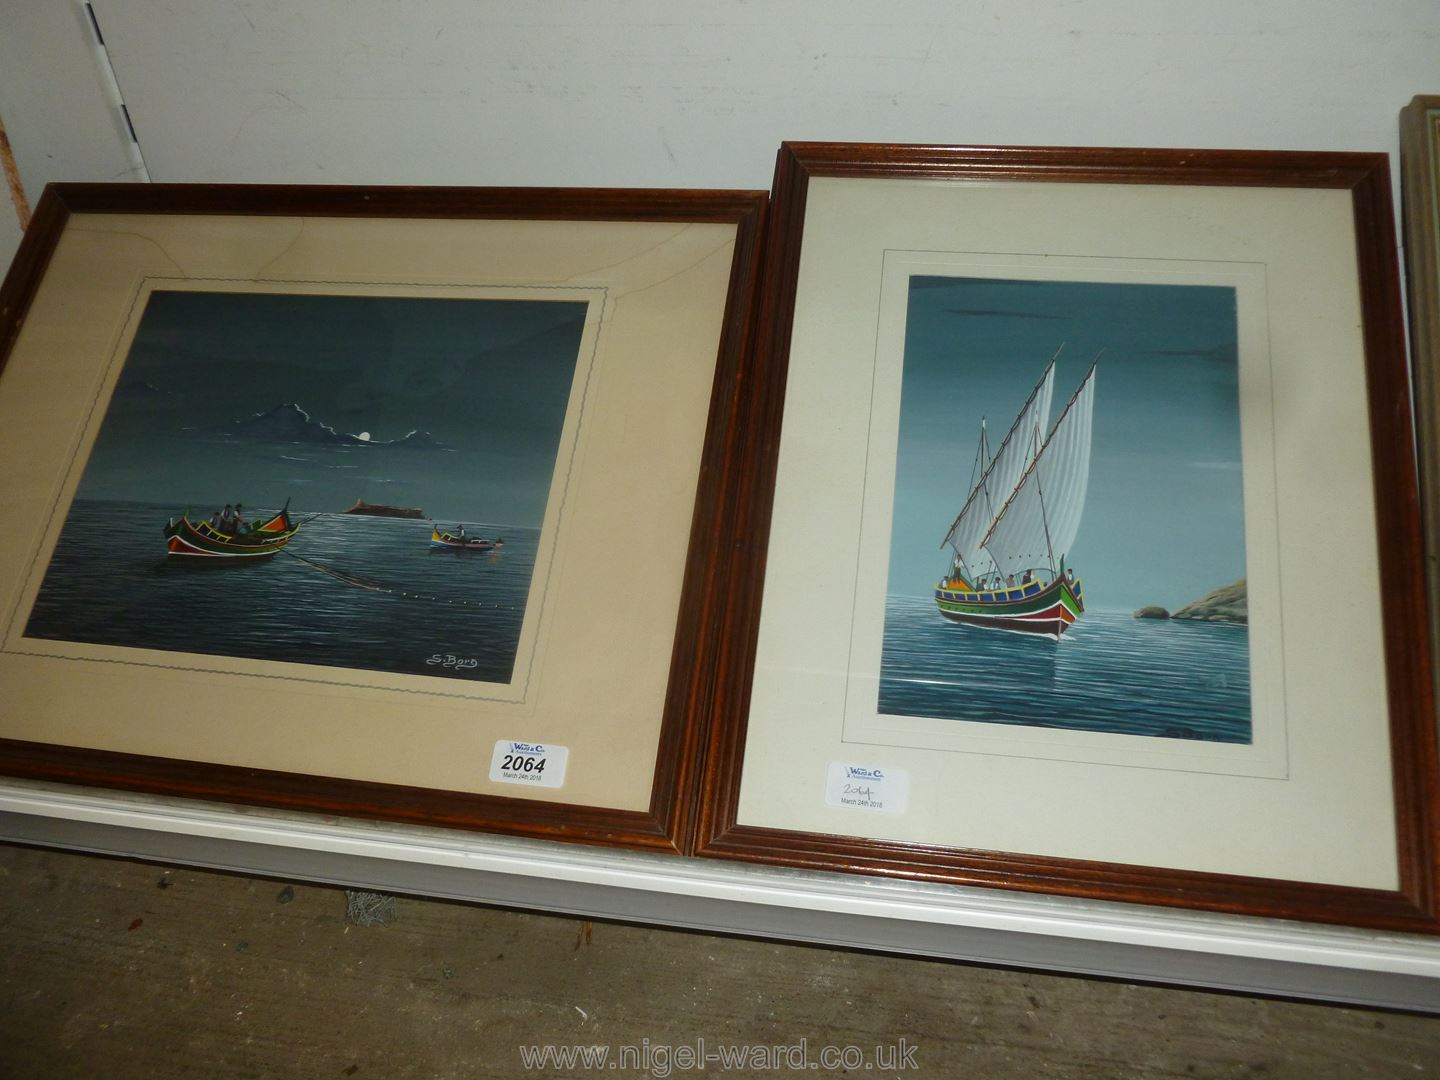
(489, 378)
(1163, 521)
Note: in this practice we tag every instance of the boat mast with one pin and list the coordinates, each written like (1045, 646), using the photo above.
(1040, 492)
(982, 484)
(978, 468)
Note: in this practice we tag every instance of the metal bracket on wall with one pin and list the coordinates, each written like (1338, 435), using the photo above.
(112, 86)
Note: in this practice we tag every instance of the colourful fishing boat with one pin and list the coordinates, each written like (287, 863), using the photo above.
(458, 541)
(1014, 531)
(186, 539)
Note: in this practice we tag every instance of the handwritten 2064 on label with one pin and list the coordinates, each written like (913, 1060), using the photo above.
(528, 763)
(867, 787)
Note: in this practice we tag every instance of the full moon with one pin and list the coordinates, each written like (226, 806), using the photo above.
(364, 436)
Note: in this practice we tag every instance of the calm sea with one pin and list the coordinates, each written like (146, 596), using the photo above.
(1110, 673)
(347, 591)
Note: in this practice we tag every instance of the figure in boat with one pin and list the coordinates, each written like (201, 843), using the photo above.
(456, 540)
(1010, 541)
(227, 535)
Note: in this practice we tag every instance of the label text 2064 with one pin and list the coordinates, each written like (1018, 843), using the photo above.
(520, 763)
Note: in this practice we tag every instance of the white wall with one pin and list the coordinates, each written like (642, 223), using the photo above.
(682, 92)
(55, 97)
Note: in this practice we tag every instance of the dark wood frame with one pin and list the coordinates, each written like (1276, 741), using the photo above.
(1413, 907)
(668, 821)
(1420, 188)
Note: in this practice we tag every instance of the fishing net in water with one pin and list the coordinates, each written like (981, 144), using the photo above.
(355, 581)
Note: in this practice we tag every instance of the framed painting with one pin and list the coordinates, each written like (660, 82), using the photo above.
(400, 503)
(1080, 545)
(1420, 188)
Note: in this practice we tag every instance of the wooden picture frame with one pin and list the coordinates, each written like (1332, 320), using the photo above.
(1420, 188)
(659, 287)
(1296, 239)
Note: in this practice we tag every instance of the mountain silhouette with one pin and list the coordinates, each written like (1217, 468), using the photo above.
(290, 423)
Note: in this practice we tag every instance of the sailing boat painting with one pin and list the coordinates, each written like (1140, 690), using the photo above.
(1091, 565)
(1023, 510)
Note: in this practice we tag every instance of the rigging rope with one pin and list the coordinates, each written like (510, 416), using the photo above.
(357, 582)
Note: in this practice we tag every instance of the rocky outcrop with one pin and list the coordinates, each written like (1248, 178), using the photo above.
(376, 510)
(1225, 604)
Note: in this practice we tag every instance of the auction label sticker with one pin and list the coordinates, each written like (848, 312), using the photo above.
(862, 787)
(532, 764)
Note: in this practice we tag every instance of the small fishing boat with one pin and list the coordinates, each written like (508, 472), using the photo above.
(186, 539)
(458, 541)
(1010, 540)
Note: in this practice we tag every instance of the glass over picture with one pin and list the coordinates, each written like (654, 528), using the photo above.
(1067, 542)
(352, 481)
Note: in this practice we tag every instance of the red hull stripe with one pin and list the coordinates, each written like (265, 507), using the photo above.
(1050, 614)
(1054, 621)
(179, 546)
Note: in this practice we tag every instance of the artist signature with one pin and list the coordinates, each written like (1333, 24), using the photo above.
(456, 662)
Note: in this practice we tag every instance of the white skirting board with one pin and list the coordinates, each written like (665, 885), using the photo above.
(986, 926)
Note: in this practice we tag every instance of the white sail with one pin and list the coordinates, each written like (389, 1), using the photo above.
(1040, 520)
(1000, 475)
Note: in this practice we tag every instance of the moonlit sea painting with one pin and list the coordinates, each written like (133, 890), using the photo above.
(1067, 540)
(352, 481)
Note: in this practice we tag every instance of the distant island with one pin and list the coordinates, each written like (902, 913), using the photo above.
(375, 510)
(1226, 604)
